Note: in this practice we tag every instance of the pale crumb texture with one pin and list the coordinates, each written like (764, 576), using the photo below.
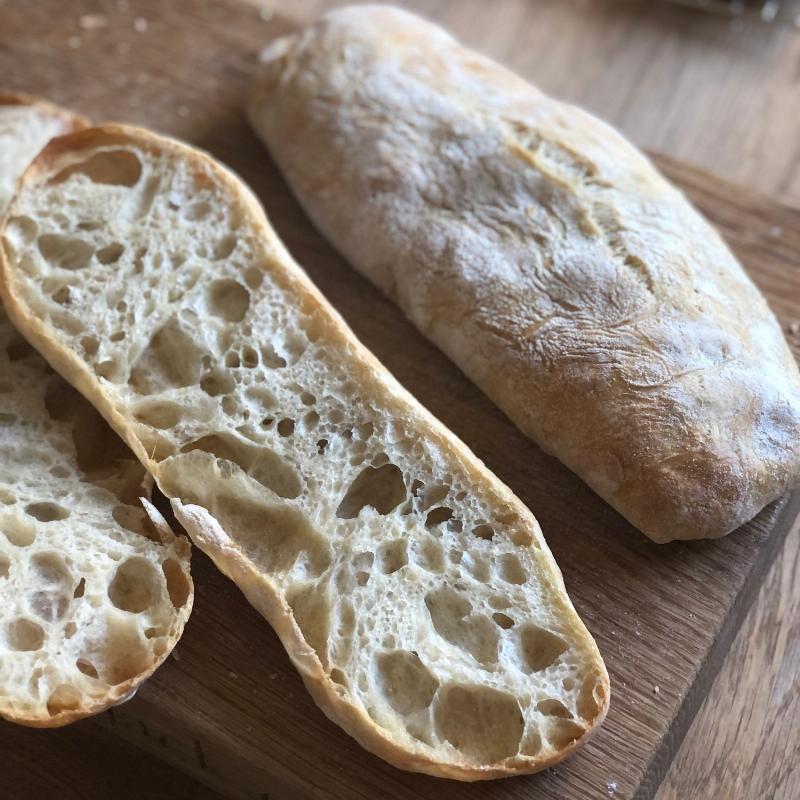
(548, 259)
(92, 594)
(412, 590)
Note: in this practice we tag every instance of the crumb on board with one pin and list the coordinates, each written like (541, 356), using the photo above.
(74, 42)
(794, 328)
(92, 22)
(611, 788)
(140, 25)
(656, 689)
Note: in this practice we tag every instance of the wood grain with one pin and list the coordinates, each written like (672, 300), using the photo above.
(232, 710)
(83, 762)
(755, 752)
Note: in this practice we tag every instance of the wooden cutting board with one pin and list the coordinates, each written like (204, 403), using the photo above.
(228, 707)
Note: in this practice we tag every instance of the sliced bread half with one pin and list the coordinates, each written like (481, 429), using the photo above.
(412, 590)
(94, 594)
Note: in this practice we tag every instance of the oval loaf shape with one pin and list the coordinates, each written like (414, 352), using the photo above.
(548, 259)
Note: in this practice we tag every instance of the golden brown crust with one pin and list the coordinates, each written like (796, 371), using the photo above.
(206, 530)
(547, 257)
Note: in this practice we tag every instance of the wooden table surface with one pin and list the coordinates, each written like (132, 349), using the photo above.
(723, 95)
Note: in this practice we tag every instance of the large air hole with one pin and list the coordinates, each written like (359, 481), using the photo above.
(64, 252)
(61, 295)
(228, 300)
(53, 583)
(224, 247)
(170, 361)
(254, 277)
(217, 382)
(111, 253)
(87, 668)
(24, 634)
(127, 654)
(311, 608)
(563, 732)
(338, 676)
(511, 569)
(452, 620)
(110, 369)
(383, 489)
(197, 211)
(261, 396)
(531, 744)
(63, 698)
(110, 167)
(285, 427)
(271, 358)
(5, 566)
(135, 586)
(477, 565)
(259, 462)
(591, 698)
(429, 554)
(21, 231)
(18, 530)
(484, 724)
(160, 414)
(249, 357)
(539, 647)
(553, 708)
(483, 531)
(362, 565)
(275, 539)
(178, 586)
(406, 683)
(437, 516)
(503, 620)
(46, 512)
(392, 556)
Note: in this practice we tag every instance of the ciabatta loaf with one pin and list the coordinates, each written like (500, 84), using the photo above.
(547, 257)
(412, 590)
(93, 594)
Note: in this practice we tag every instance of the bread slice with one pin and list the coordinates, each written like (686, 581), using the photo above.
(94, 595)
(548, 258)
(412, 590)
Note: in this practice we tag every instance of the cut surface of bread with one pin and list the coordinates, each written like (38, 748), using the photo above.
(548, 258)
(412, 590)
(93, 594)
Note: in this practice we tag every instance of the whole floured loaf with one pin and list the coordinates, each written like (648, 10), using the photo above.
(412, 590)
(547, 257)
(93, 594)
